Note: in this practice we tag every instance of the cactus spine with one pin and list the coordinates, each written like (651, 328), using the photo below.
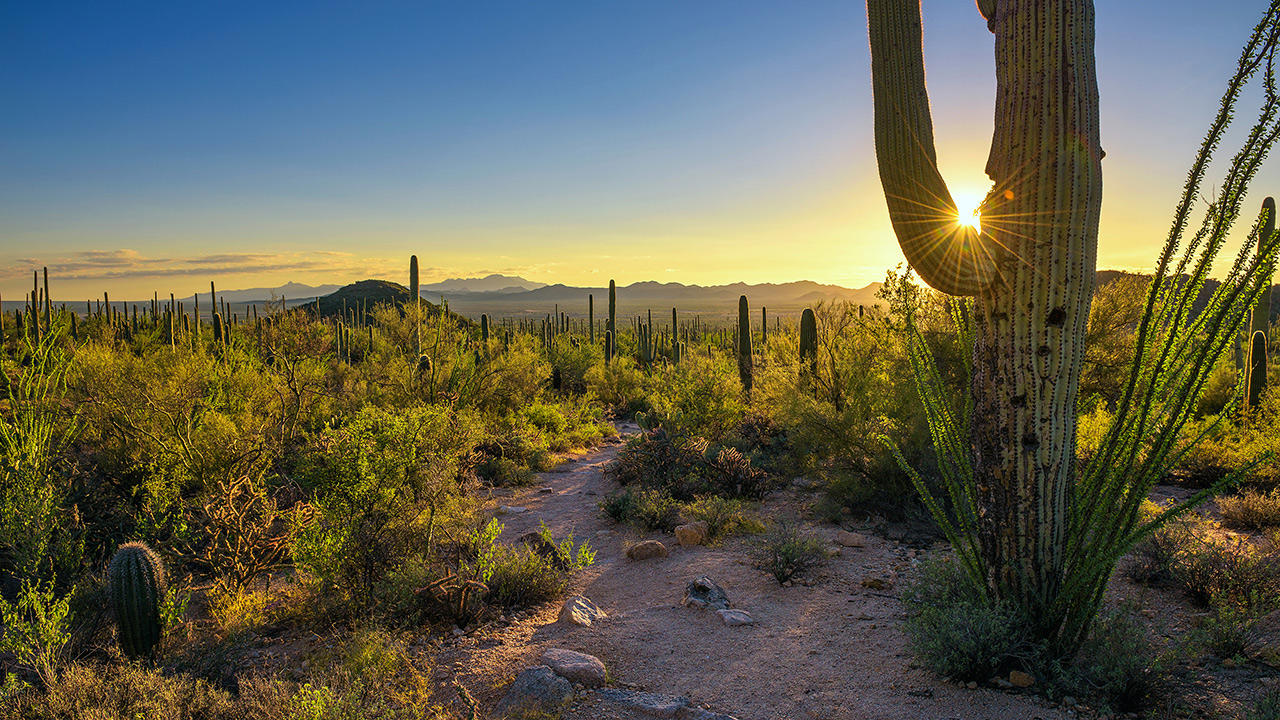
(744, 344)
(136, 585)
(1256, 382)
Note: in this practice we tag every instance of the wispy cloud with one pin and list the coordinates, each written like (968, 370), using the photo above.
(130, 264)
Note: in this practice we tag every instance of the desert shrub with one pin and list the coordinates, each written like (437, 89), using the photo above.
(685, 465)
(723, 516)
(237, 610)
(1266, 708)
(785, 550)
(521, 576)
(1227, 572)
(620, 385)
(645, 507)
(1226, 631)
(36, 629)
(700, 397)
(955, 631)
(1251, 509)
(1117, 663)
(378, 485)
(574, 359)
(124, 692)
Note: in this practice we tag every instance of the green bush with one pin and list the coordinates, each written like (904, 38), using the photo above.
(1226, 631)
(955, 631)
(1227, 572)
(723, 516)
(36, 629)
(644, 507)
(379, 485)
(1117, 663)
(1267, 707)
(519, 577)
(785, 550)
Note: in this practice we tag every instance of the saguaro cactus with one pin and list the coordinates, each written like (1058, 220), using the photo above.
(591, 318)
(415, 296)
(612, 327)
(1260, 319)
(809, 339)
(1256, 382)
(744, 344)
(1031, 267)
(136, 585)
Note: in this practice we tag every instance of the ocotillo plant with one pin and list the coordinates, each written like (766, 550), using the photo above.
(744, 344)
(1256, 381)
(1031, 530)
(136, 586)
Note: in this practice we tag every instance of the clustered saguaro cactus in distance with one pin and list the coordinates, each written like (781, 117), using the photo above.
(1030, 531)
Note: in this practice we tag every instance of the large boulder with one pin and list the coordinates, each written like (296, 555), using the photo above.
(647, 549)
(703, 592)
(578, 610)
(576, 667)
(536, 689)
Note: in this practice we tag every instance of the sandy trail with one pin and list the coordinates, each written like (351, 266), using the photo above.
(831, 649)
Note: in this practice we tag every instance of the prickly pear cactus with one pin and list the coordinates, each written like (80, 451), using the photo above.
(136, 584)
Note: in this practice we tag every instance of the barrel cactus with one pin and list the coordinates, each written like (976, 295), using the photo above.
(136, 585)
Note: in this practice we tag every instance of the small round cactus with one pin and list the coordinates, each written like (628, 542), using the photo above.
(136, 584)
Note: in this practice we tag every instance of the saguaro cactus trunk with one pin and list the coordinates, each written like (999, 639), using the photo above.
(1030, 269)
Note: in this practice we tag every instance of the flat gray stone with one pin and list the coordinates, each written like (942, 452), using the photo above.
(736, 617)
(661, 706)
(581, 668)
(689, 712)
(536, 688)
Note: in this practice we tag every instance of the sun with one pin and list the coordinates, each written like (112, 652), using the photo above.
(967, 209)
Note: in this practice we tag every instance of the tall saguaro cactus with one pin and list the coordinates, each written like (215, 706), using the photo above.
(744, 344)
(1031, 267)
(1260, 318)
(1256, 380)
(416, 297)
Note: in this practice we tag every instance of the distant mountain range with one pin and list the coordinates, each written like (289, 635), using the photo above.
(490, 283)
(290, 291)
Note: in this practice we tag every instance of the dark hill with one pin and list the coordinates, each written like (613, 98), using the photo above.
(368, 294)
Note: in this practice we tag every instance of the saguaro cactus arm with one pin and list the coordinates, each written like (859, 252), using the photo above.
(952, 257)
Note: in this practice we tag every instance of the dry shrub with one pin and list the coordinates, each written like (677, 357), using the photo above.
(1251, 509)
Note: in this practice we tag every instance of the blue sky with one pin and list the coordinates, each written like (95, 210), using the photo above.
(155, 146)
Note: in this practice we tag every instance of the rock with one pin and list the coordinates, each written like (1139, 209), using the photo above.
(578, 610)
(545, 490)
(733, 618)
(1017, 678)
(971, 685)
(578, 668)
(695, 533)
(688, 712)
(647, 549)
(661, 706)
(875, 583)
(537, 688)
(547, 549)
(1068, 701)
(850, 539)
(510, 509)
(703, 592)
(1001, 683)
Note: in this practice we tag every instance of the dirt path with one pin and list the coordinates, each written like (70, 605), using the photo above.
(830, 649)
